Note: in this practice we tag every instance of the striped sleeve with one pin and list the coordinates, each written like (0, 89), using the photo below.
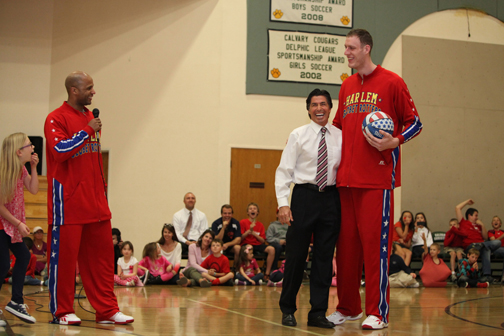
(70, 144)
(412, 130)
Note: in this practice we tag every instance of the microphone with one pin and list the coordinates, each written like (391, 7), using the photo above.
(96, 112)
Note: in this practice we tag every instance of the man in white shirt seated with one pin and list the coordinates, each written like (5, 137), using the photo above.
(189, 222)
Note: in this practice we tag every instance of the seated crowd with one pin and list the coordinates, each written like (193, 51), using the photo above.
(209, 249)
(464, 242)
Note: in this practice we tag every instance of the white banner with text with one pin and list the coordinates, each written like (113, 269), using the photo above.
(320, 12)
(307, 57)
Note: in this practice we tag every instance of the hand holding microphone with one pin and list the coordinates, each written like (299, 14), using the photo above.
(96, 122)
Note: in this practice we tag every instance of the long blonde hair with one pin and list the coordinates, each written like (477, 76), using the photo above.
(10, 165)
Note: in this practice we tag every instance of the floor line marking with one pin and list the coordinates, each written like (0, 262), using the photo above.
(448, 311)
(256, 318)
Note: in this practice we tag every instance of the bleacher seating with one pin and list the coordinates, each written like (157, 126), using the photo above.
(36, 206)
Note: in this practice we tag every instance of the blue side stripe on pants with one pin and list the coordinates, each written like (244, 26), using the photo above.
(58, 220)
(383, 307)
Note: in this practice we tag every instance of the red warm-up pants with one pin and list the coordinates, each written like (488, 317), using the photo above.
(91, 245)
(364, 239)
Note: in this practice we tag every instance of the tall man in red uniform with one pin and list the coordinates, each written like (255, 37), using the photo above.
(78, 211)
(368, 173)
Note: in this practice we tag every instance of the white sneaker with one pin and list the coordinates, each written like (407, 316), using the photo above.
(69, 319)
(415, 285)
(118, 318)
(338, 318)
(131, 283)
(260, 282)
(373, 322)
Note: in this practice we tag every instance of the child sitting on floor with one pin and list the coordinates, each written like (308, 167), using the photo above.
(217, 265)
(276, 278)
(469, 274)
(127, 267)
(160, 269)
(249, 272)
(400, 275)
(434, 271)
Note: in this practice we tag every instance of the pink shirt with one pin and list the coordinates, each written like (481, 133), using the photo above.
(249, 270)
(17, 209)
(195, 259)
(157, 267)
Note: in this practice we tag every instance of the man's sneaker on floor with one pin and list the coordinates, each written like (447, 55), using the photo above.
(483, 285)
(261, 282)
(338, 318)
(373, 322)
(19, 310)
(68, 319)
(453, 277)
(118, 318)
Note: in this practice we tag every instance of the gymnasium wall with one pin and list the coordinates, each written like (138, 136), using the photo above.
(446, 74)
(458, 155)
(25, 65)
(170, 82)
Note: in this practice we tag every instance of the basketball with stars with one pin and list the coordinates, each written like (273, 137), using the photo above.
(376, 121)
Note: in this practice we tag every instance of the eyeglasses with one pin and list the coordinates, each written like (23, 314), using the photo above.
(29, 145)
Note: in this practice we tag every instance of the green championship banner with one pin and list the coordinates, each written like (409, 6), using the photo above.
(295, 56)
(336, 13)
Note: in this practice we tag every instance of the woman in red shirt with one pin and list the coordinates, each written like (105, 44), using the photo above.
(402, 233)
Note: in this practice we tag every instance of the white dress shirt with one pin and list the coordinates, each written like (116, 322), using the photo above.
(299, 159)
(199, 224)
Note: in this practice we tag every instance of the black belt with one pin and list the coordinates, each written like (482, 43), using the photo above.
(315, 187)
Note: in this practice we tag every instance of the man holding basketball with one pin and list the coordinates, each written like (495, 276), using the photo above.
(368, 173)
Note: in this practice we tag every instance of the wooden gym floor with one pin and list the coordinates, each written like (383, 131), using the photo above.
(253, 310)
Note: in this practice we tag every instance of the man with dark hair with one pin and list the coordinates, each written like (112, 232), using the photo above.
(228, 230)
(368, 173)
(474, 235)
(310, 160)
